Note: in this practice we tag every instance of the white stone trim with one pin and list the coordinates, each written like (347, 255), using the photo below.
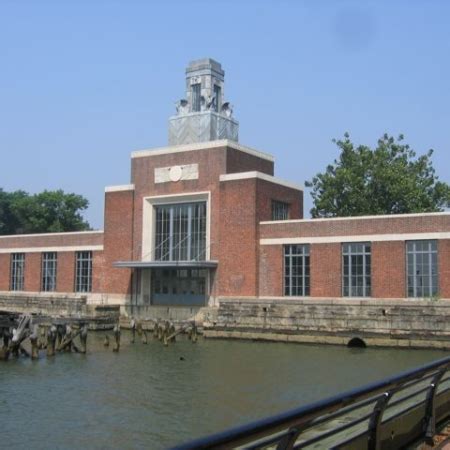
(176, 173)
(148, 219)
(355, 238)
(201, 146)
(384, 216)
(123, 187)
(72, 248)
(62, 233)
(261, 176)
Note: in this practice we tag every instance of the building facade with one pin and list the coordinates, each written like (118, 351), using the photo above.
(205, 218)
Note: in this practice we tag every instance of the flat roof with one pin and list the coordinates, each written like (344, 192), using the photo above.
(201, 146)
(261, 176)
(381, 216)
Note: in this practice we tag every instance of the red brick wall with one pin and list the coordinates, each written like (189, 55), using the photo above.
(211, 162)
(444, 268)
(267, 191)
(325, 262)
(238, 238)
(32, 282)
(118, 243)
(348, 227)
(5, 259)
(271, 270)
(238, 161)
(51, 240)
(388, 269)
(65, 275)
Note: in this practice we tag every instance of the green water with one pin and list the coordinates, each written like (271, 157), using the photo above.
(151, 396)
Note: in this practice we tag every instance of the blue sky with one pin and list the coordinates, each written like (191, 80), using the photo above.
(84, 83)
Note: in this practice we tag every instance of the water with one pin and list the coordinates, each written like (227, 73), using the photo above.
(151, 396)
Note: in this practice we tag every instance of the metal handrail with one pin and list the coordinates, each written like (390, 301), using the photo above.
(291, 424)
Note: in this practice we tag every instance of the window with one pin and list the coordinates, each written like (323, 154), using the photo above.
(83, 272)
(357, 270)
(296, 270)
(48, 271)
(17, 271)
(180, 232)
(217, 96)
(196, 97)
(280, 210)
(422, 268)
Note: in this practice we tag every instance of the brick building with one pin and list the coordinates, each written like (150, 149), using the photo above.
(205, 218)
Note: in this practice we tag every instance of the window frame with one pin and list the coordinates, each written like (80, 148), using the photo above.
(434, 289)
(280, 208)
(49, 263)
(81, 258)
(305, 277)
(181, 240)
(196, 96)
(366, 287)
(17, 281)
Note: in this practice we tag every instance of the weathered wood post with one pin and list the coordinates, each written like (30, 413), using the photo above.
(19, 335)
(83, 338)
(4, 350)
(172, 333)
(116, 332)
(51, 340)
(133, 330)
(67, 340)
(59, 334)
(142, 333)
(34, 342)
(194, 335)
(42, 338)
(155, 330)
(160, 332)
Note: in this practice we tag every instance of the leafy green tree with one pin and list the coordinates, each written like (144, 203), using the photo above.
(48, 211)
(9, 222)
(390, 179)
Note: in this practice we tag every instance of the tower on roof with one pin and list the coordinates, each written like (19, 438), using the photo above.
(203, 115)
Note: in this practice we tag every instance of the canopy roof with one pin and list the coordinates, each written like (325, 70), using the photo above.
(166, 264)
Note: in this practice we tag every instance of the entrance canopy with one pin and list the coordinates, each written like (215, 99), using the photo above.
(210, 264)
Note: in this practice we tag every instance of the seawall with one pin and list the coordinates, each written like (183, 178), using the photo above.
(61, 306)
(387, 323)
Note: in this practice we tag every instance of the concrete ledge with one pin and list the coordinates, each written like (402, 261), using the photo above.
(326, 339)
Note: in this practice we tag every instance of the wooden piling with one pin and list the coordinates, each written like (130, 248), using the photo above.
(133, 330)
(83, 338)
(116, 332)
(34, 342)
(51, 340)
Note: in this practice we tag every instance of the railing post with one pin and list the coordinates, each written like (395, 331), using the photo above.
(430, 411)
(287, 443)
(373, 441)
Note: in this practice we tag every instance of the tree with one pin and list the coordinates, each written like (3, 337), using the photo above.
(391, 179)
(48, 211)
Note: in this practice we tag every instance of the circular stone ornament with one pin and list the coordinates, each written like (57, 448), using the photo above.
(175, 173)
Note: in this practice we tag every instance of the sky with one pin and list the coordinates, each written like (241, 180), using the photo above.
(85, 83)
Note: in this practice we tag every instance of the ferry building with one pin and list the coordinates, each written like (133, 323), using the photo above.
(205, 219)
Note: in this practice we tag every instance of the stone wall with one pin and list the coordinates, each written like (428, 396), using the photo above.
(47, 305)
(397, 323)
(101, 316)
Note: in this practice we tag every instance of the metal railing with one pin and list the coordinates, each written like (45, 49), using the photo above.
(390, 414)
